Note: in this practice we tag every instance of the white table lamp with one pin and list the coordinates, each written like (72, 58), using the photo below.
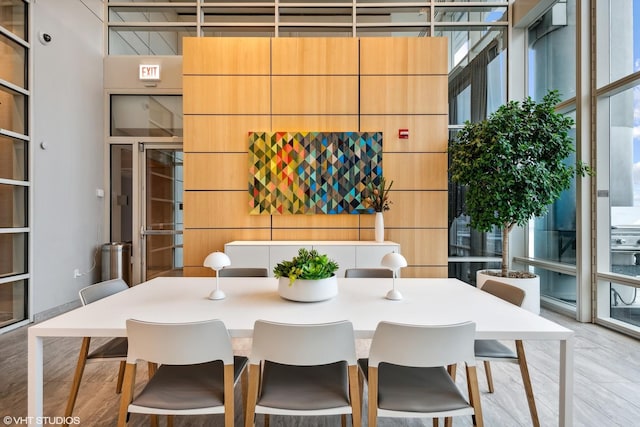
(216, 261)
(393, 261)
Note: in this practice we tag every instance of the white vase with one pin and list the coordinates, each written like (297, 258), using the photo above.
(379, 224)
(308, 290)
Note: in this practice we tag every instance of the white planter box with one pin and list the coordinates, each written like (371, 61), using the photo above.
(530, 286)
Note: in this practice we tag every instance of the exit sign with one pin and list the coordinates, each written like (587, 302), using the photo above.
(149, 72)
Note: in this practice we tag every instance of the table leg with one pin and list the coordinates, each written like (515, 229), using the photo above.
(35, 378)
(566, 382)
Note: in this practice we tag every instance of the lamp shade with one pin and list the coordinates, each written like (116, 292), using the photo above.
(217, 260)
(393, 261)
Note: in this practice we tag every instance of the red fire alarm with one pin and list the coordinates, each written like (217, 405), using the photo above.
(403, 133)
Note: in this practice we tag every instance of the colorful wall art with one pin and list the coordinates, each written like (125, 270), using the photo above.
(311, 172)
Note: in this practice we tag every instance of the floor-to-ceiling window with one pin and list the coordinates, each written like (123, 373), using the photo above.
(477, 87)
(613, 54)
(552, 66)
(618, 147)
(14, 161)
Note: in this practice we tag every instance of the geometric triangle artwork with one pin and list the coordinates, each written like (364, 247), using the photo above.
(312, 172)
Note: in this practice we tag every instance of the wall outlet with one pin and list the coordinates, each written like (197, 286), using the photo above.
(76, 273)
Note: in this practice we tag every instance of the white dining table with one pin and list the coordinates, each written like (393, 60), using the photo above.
(361, 301)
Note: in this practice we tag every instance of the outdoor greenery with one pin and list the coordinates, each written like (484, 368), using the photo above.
(514, 164)
(308, 265)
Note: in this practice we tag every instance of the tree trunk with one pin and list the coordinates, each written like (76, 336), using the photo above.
(505, 250)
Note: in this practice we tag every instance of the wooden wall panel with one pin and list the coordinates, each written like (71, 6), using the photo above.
(197, 272)
(316, 221)
(198, 243)
(316, 234)
(226, 94)
(213, 133)
(403, 95)
(427, 133)
(315, 85)
(221, 209)
(344, 123)
(413, 209)
(314, 56)
(226, 171)
(417, 171)
(226, 55)
(403, 55)
(422, 247)
(315, 94)
(431, 272)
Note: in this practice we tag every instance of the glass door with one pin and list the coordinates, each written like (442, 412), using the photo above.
(162, 214)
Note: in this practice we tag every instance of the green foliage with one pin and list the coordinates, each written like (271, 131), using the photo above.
(308, 265)
(514, 163)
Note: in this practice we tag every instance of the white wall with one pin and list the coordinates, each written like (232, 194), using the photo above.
(68, 117)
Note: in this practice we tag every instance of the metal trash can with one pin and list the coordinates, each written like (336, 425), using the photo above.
(116, 261)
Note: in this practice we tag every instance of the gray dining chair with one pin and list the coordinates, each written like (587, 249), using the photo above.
(197, 370)
(243, 272)
(493, 350)
(114, 350)
(370, 273)
(407, 376)
(303, 370)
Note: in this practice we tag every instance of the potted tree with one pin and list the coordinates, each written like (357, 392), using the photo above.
(514, 165)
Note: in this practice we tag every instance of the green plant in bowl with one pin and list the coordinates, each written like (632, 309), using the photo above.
(308, 265)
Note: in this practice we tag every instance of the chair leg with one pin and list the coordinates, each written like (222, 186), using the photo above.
(343, 420)
(169, 420)
(361, 390)
(229, 398)
(120, 376)
(526, 379)
(127, 393)
(266, 420)
(452, 370)
(152, 368)
(435, 422)
(487, 370)
(354, 395)
(252, 395)
(77, 377)
(244, 387)
(373, 396)
(474, 395)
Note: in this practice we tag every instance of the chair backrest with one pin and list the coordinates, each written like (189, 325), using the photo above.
(243, 272)
(504, 291)
(303, 345)
(179, 343)
(368, 273)
(101, 290)
(423, 346)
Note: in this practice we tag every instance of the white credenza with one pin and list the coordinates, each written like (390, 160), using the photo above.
(347, 253)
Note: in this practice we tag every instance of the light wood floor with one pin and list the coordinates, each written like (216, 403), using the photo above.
(607, 384)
